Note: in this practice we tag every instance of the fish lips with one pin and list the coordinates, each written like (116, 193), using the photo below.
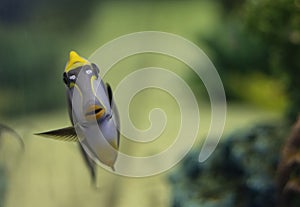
(94, 112)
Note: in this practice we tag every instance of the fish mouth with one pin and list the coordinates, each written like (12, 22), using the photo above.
(94, 112)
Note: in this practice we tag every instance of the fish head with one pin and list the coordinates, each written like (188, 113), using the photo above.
(88, 98)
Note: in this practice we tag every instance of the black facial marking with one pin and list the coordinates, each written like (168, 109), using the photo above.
(72, 75)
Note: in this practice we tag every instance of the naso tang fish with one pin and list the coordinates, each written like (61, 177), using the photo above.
(93, 114)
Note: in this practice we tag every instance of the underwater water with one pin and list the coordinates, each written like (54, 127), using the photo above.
(52, 173)
(36, 38)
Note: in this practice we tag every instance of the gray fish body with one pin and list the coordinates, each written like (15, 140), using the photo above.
(95, 135)
(93, 114)
(98, 137)
(96, 145)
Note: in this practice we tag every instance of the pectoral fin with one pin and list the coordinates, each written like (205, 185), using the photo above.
(109, 93)
(116, 113)
(64, 134)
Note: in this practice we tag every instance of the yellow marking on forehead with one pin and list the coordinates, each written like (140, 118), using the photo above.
(75, 61)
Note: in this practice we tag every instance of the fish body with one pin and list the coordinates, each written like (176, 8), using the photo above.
(92, 112)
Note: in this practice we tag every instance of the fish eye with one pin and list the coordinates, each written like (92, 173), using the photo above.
(68, 79)
(89, 71)
(72, 77)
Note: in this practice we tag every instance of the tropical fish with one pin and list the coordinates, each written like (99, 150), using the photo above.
(93, 114)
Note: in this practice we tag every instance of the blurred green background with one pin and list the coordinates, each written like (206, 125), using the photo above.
(253, 44)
